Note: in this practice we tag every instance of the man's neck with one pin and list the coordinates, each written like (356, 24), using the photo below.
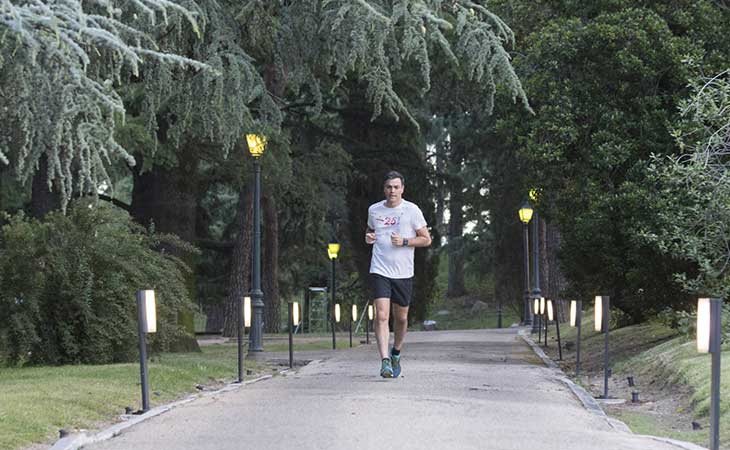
(393, 205)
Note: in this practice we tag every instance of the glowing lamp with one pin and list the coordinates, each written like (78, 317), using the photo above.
(525, 212)
(370, 312)
(354, 312)
(542, 305)
(550, 309)
(573, 312)
(295, 313)
(598, 313)
(337, 312)
(256, 144)
(147, 299)
(247, 311)
(332, 250)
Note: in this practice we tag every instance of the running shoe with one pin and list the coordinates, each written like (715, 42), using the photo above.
(386, 369)
(395, 363)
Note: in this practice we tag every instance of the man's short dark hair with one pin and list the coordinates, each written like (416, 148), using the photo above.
(392, 175)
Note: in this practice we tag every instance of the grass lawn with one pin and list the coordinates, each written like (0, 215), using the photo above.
(38, 401)
(672, 378)
(677, 362)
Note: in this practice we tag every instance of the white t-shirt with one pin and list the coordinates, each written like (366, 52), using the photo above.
(405, 219)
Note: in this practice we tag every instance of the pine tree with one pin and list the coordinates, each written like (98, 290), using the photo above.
(59, 62)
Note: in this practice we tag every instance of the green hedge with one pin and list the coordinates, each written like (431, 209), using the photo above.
(68, 283)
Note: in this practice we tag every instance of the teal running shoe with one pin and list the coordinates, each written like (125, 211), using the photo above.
(386, 369)
(395, 363)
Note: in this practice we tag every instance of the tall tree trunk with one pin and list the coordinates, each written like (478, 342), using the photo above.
(43, 198)
(441, 161)
(272, 307)
(168, 198)
(239, 283)
(555, 278)
(456, 287)
(542, 255)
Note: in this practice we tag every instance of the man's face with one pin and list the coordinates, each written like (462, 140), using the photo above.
(393, 190)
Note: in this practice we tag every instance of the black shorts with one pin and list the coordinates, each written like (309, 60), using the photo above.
(398, 290)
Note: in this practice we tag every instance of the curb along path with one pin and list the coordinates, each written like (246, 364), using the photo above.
(459, 390)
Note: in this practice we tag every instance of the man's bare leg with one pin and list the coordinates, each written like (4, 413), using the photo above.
(400, 314)
(382, 332)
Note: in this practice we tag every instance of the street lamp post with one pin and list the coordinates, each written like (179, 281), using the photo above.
(257, 145)
(536, 293)
(332, 250)
(525, 216)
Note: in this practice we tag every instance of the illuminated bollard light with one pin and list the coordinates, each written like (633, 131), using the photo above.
(576, 317)
(293, 322)
(602, 319)
(709, 339)
(353, 318)
(369, 321)
(147, 321)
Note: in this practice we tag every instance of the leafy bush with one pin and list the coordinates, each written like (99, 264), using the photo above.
(682, 321)
(68, 284)
(686, 322)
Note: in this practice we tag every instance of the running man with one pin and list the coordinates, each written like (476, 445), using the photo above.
(395, 227)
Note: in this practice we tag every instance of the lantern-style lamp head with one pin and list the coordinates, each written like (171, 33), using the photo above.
(550, 309)
(354, 312)
(332, 250)
(337, 312)
(256, 144)
(247, 311)
(146, 302)
(295, 313)
(536, 306)
(370, 312)
(542, 305)
(525, 212)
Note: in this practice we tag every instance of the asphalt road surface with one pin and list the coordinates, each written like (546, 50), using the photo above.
(482, 389)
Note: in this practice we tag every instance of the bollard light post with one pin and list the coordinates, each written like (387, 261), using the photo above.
(525, 213)
(333, 249)
(353, 318)
(544, 320)
(244, 321)
(553, 315)
(256, 146)
(293, 322)
(709, 340)
(576, 317)
(602, 324)
(537, 319)
(147, 322)
(368, 322)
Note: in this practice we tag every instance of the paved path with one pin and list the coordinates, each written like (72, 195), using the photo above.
(459, 390)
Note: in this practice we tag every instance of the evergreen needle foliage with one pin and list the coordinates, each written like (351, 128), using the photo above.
(59, 61)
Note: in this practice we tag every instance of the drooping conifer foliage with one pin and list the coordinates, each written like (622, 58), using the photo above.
(59, 62)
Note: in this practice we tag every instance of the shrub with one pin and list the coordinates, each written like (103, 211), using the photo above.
(68, 283)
